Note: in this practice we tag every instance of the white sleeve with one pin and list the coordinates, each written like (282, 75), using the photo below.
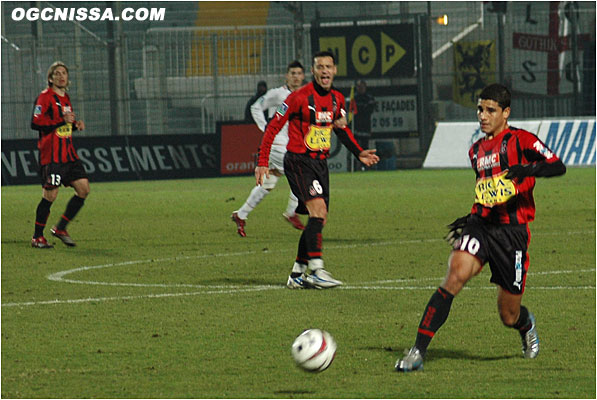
(271, 99)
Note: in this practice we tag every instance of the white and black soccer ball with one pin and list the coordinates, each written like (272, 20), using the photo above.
(314, 350)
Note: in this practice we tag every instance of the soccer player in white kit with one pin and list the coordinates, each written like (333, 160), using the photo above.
(271, 100)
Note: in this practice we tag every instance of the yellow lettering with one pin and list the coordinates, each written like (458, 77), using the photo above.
(318, 138)
(65, 130)
(494, 190)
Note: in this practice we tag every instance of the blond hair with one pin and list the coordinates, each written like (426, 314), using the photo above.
(51, 70)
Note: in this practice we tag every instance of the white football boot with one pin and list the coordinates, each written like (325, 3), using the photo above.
(530, 340)
(322, 279)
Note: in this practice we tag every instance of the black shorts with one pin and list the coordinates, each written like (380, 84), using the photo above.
(54, 175)
(308, 179)
(503, 246)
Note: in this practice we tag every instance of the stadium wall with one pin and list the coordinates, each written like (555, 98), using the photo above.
(573, 140)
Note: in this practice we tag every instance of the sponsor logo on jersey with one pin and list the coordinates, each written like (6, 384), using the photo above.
(37, 109)
(494, 190)
(488, 162)
(65, 130)
(282, 109)
(324, 117)
(319, 138)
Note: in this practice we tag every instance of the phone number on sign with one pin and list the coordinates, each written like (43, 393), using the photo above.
(394, 114)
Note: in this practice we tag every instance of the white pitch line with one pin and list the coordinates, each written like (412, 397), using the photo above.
(260, 289)
(146, 296)
(231, 289)
(465, 288)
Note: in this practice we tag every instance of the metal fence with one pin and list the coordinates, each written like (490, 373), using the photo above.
(544, 51)
(182, 80)
(209, 73)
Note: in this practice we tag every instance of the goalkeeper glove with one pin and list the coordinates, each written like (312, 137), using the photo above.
(456, 229)
(519, 171)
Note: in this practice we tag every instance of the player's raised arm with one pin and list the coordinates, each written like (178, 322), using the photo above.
(543, 161)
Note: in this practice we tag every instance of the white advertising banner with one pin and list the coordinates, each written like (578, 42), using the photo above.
(573, 140)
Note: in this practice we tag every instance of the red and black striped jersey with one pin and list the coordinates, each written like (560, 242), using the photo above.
(310, 112)
(509, 201)
(55, 141)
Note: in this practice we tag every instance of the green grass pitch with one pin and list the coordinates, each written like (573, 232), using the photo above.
(162, 299)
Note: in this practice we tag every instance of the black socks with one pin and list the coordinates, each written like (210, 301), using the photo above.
(41, 217)
(435, 315)
(72, 208)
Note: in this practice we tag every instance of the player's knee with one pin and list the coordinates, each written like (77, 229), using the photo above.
(83, 192)
(50, 195)
(461, 268)
(270, 183)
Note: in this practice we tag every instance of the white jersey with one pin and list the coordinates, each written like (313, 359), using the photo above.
(270, 101)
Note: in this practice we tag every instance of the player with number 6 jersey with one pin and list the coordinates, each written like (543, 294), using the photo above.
(54, 119)
(313, 112)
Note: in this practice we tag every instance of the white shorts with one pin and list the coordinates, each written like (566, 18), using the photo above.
(276, 158)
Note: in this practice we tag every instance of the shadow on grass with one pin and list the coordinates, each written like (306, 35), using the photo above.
(460, 355)
(437, 354)
(250, 282)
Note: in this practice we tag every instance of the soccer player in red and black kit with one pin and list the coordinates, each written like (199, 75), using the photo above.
(312, 112)
(54, 119)
(506, 162)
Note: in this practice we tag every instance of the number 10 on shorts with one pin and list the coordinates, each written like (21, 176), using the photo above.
(469, 244)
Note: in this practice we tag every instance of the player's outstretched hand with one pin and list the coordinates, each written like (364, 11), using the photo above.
(456, 229)
(368, 157)
(80, 125)
(261, 174)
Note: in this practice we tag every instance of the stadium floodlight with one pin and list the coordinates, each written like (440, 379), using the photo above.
(442, 20)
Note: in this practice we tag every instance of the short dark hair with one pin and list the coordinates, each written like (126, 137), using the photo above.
(295, 64)
(324, 53)
(498, 93)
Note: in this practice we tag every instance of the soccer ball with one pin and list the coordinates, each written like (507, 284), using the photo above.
(314, 350)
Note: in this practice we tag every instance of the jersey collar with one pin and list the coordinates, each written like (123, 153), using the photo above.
(320, 90)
